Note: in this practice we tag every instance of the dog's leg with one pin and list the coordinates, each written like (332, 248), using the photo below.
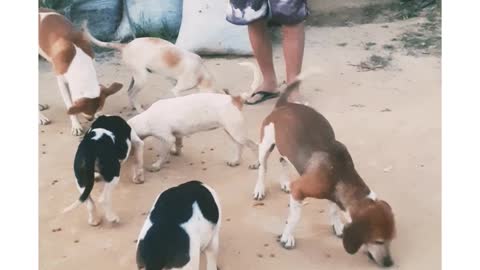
(77, 129)
(236, 132)
(284, 179)
(136, 85)
(166, 143)
(211, 253)
(177, 149)
(265, 148)
(137, 147)
(295, 210)
(335, 219)
(93, 218)
(184, 83)
(106, 200)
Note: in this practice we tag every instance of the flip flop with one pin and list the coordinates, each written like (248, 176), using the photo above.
(265, 96)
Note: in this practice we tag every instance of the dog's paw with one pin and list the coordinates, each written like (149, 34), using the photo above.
(337, 232)
(43, 120)
(43, 107)
(112, 218)
(139, 178)
(94, 221)
(174, 152)
(287, 241)
(285, 187)
(234, 163)
(259, 192)
(77, 131)
(254, 166)
(154, 168)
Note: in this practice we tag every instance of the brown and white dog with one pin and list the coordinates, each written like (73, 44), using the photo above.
(305, 139)
(71, 55)
(144, 55)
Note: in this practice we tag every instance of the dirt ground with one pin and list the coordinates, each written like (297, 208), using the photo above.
(389, 118)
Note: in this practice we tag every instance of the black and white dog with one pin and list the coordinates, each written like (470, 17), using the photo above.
(183, 222)
(105, 146)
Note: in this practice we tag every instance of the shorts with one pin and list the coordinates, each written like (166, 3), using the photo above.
(283, 12)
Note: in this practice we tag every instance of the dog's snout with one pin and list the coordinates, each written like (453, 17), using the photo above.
(387, 261)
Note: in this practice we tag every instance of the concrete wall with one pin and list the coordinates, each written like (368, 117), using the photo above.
(325, 6)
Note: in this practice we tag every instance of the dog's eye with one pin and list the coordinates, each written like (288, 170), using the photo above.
(379, 242)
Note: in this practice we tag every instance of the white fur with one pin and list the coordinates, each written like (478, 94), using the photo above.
(287, 239)
(173, 118)
(99, 132)
(335, 219)
(203, 235)
(265, 145)
(80, 80)
(372, 195)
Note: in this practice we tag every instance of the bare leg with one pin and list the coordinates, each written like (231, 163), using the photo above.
(262, 49)
(77, 129)
(106, 200)
(293, 47)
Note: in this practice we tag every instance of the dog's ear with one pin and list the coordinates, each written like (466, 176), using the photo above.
(112, 89)
(80, 105)
(353, 236)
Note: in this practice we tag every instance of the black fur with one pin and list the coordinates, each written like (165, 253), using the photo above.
(166, 244)
(102, 155)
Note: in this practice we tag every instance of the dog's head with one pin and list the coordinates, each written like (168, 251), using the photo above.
(373, 226)
(89, 106)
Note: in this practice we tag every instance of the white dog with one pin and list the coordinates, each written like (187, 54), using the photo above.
(154, 55)
(169, 120)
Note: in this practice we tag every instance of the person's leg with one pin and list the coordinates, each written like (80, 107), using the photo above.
(293, 48)
(262, 50)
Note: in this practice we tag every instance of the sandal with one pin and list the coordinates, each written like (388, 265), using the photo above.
(265, 96)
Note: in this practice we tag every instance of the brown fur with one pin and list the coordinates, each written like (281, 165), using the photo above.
(327, 171)
(57, 38)
(171, 58)
(237, 102)
(89, 106)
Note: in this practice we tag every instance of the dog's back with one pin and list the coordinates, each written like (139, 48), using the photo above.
(183, 221)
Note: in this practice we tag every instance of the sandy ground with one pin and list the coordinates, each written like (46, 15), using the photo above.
(389, 119)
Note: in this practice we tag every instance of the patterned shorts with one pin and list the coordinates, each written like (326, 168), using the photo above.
(284, 12)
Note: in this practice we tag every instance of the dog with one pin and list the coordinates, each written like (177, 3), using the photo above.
(169, 120)
(183, 222)
(106, 145)
(71, 55)
(306, 141)
(152, 55)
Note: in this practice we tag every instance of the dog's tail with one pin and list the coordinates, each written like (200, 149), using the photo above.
(111, 45)
(283, 99)
(85, 172)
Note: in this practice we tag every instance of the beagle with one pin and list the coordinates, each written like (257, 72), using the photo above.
(105, 146)
(71, 55)
(305, 140)
(151, 55)
(183, 223)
